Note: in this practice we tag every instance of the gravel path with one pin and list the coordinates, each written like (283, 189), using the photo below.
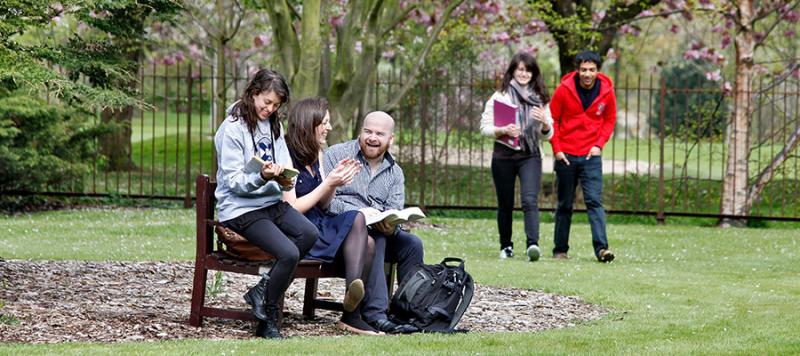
(62, 301)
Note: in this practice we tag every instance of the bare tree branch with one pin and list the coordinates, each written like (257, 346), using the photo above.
(411, 80)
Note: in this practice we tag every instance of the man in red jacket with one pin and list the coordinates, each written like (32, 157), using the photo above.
(584, 111)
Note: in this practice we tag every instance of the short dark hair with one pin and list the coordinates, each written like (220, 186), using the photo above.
(587, 56)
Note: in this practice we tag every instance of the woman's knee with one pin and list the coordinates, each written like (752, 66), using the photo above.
(288, 256)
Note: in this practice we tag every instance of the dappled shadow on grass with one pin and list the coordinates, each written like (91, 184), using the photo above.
(66, 301)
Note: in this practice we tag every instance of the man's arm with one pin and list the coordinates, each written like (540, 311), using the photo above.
(397, 192)
(609, 120)
(555, 113)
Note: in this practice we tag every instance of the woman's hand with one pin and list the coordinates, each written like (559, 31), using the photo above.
(344, 173)
(271, 170)
(510, 130)
(537, 113)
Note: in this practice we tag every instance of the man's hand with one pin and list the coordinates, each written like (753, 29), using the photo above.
(385, 227)
(594, 151)
(560, 156)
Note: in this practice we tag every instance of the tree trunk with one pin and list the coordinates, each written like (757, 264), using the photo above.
(116, 145)
(734, 183)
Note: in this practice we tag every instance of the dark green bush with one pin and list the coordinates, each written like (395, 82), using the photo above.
(41, 146)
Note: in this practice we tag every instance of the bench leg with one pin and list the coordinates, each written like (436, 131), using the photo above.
(309, 296)
(198, 293)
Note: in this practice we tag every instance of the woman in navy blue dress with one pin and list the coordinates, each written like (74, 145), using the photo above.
(343, 238)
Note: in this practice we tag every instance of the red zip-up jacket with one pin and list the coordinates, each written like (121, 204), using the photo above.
(575, 131)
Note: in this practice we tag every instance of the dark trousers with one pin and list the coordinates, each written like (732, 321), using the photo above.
(283, 232)
(504, 173)
(403, 248)
(590, 175)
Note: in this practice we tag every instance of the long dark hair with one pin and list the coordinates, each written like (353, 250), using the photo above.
(301, 137)
(537, 81)
(265, 80)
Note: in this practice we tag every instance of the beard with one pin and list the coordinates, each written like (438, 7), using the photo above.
(371, 151)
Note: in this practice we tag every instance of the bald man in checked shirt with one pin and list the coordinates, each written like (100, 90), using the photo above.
(378, 186)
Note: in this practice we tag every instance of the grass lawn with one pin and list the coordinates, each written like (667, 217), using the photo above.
(672, 290)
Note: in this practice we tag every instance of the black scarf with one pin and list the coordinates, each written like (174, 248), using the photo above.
(526, 99)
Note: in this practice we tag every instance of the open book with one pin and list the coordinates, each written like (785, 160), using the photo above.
(255, 164)
(505, 114)
(394, 216)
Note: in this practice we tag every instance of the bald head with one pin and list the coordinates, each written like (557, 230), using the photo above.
(376, 135)
(379, 118)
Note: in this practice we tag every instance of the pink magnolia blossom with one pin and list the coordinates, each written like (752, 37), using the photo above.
(728, 24)
(719, 60)
(674, 29)
(726, 41)
(714, 76)
(759, 36)
(691, 54)
(791, 16)
(796, 73)
(196, 74)
(501, 37)
(697, 45)
(789, 33)
(195, 52)
(629, 30)
(168, 60)
(336, 21)
(727, 88)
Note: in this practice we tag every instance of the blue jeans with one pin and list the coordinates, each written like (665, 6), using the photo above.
(590, 175)
(403, 248)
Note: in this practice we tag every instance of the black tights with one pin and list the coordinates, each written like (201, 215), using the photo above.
(357, 251)
(283, 232)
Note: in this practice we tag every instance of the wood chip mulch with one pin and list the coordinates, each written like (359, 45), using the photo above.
(63, 301)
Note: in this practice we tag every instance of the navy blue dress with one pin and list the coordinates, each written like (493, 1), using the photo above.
(333, 228)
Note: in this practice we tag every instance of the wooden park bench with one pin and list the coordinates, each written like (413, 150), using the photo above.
(210, 257)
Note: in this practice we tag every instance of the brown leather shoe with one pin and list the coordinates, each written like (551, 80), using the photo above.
(605, 256)
(561, 256)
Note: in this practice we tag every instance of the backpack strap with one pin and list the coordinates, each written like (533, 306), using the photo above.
(469, 290)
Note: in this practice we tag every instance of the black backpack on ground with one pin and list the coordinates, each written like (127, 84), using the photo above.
(434, 297)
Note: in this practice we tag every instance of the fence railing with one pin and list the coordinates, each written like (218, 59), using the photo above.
(667, 155)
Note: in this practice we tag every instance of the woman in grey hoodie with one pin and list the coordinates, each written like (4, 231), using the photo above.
(251, 203)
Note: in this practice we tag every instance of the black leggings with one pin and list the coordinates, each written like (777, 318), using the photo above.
(283, 232)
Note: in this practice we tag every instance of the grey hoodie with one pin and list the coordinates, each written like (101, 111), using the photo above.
(239, 192)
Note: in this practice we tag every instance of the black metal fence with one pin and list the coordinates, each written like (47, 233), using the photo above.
(667, 155)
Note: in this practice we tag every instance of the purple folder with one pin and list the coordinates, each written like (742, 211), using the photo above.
(505, 114)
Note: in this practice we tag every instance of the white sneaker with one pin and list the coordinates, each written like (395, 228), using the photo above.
(533, 253)
(507, 252)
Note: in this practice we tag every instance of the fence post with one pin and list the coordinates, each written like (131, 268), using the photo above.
(660, 213)
(423, 129)
(187, 197)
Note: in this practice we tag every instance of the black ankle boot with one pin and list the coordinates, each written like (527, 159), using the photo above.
(269, 327)
(256, 296)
